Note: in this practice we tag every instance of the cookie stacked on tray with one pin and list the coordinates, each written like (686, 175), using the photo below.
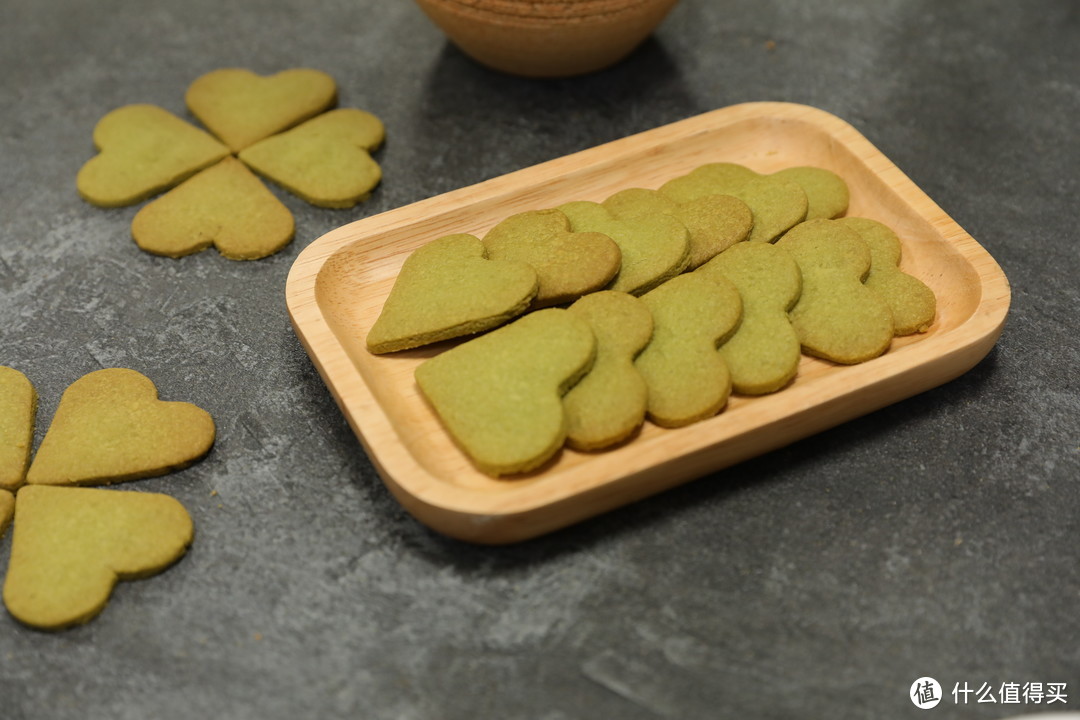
(651, 305)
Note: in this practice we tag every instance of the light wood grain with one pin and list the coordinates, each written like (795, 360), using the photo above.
(337, 285)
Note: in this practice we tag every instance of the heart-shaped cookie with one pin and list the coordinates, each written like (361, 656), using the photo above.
(568, 264)
(225, 206)
(110, 427)
(688, 380)
(447, 289)
(242, 108)
(609, 403)
(837, 317)
(714, 222)
(654, 247)
(763, 355)
(777, 204)
(500, 395)
(71, 545)
(143, 150)
(7, 510)
(827, 195)
(18, 405)
(910, 300)
(326, 160)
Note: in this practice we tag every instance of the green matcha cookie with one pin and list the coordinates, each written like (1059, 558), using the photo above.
(714, 222)
(326, 160)
(71, 545)
(777, 204)
(827, 194)
(143, 150)
(241, 107)
(654, 248)
(763, 354)
(500, 395)
(568, 264)
(225, 206)
(18, 405)
(912, 303)
(609, 403)
(448, 288)
(7, 511)
(110, 427)
(687, 378)
(837, 317)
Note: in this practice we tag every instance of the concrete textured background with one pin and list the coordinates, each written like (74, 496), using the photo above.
(934, 537)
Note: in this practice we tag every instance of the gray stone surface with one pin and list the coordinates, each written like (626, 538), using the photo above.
(935, 537)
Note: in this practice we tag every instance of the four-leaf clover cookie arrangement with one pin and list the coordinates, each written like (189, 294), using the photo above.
(72, 540)
(280, 127)
(653, 305)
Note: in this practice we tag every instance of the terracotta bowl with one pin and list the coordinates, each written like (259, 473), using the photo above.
(547, 38)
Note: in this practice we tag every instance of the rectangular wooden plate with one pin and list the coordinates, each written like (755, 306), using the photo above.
(337, 286)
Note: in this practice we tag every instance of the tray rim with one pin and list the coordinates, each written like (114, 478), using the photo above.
(481, 517)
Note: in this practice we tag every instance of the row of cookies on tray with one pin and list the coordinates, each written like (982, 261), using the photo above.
(716, 282)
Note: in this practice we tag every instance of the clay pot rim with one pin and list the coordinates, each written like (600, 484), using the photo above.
(619, 11)
(554, 9)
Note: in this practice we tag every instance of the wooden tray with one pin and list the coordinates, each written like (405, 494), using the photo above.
(337, 285)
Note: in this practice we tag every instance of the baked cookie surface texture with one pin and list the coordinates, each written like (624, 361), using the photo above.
(837, 317)
(687, 378)
(763, 355)
(71, 545)
(18, 406)
(607, 405)
(653, 248)
(568, 264)
(714, 222)
(910, 300)
(143, 150)
(449, 288)
(225, 206)
(241, 107)
(111, 427)
(500, 395)
(827, 194)
(326, 160)
(777, 204)
(7, 510)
